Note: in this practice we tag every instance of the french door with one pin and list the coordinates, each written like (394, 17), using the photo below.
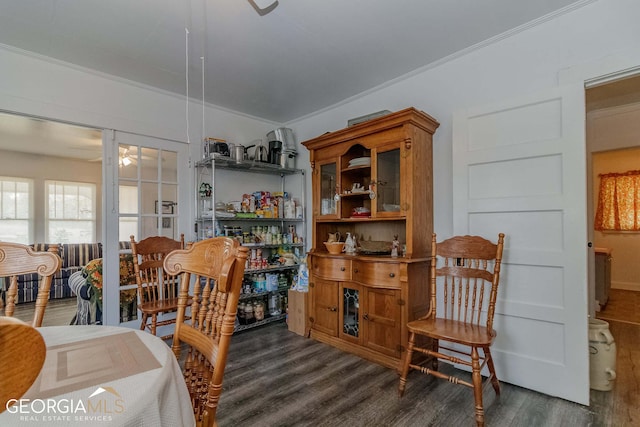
(146, 194)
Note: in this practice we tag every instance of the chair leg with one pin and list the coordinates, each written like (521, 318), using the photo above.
(154, 321)
(492, 370)
(405, 364)
(143, 322)
(435, 346)
(477, 386)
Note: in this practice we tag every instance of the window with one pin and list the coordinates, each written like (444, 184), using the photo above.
(619, 202)
(15, 210)
(71, 208)
(128, 202)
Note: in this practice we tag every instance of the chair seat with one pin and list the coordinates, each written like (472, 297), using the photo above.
(161, 306)
(453, 331)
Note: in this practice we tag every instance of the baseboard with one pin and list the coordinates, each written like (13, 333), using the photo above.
(627, 286)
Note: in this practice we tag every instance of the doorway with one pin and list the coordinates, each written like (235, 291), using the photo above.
(612, 137)
(59, 168)
(613, 132)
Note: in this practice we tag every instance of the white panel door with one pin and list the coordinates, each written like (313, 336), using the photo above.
(519, 168)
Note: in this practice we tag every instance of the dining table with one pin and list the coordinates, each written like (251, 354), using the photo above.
(104, 375)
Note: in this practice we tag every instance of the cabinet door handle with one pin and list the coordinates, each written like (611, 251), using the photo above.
(392, 275)
(355, 270)
(332, 308)
(366, 316)
(342, 269)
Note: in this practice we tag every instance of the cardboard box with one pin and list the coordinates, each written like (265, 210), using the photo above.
(297, 312)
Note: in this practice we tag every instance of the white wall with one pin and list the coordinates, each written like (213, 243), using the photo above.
(525, 62)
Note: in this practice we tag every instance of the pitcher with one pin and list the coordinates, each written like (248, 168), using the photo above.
(349, 244)
(334, 237)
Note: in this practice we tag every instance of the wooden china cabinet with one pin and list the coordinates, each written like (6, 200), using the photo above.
(372, 180)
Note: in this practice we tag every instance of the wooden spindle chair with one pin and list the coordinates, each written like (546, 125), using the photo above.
(157, 290)
(17, 259)
(214, 269)
(464, 276)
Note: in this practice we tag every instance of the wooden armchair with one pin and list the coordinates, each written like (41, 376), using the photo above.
(17, 259)
(157, 291)
(215, 267)
(464, 276)
(22, 354)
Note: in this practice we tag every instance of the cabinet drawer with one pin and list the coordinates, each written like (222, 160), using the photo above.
(377, 274)
(332, 268)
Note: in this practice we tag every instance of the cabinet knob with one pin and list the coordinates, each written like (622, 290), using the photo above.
(355, 270)
(392, 275)
(332, 308)
(366, 316)
(342, 269)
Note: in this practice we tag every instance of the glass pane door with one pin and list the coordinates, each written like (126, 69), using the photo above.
(327, 191)
(350, 311)
(143, 191)
(388, 181)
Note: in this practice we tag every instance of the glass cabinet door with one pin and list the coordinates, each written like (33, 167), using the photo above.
(350, 311)
(388, 181)
(328, 183)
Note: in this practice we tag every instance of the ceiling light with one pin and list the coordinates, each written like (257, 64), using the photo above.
(126, 161)
(263, 6)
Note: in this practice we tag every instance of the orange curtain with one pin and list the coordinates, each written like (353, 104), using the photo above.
(619, 202)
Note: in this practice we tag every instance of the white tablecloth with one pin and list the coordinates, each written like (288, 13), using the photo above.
(103, 375)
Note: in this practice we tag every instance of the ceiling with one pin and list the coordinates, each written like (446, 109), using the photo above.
(302, 57)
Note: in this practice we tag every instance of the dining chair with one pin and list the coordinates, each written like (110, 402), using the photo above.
(22, 354)
(213, 269)
(17, 259)
(464, 277)
(157, 291)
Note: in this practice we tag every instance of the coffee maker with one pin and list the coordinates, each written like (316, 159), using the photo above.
(275, 152)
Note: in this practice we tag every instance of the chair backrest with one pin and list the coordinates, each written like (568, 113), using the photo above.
(216, 268)
(148, 255)
(17, 259)
(466, 272)
(22, 354)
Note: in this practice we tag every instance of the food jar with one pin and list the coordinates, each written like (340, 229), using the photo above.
(258, 310)
(248, 314)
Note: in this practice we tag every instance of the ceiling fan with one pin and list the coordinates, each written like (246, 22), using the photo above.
(126, 156)
(263, 6)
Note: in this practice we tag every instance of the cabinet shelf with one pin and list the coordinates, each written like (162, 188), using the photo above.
(266, 321)
(269, 269)
(360, 219)
(215, 176)
(223, 162)
(257, 219)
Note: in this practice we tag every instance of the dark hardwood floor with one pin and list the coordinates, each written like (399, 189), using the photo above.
(58, 312)
(277, 378)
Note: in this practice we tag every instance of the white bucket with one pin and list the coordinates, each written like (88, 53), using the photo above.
(602, 356)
